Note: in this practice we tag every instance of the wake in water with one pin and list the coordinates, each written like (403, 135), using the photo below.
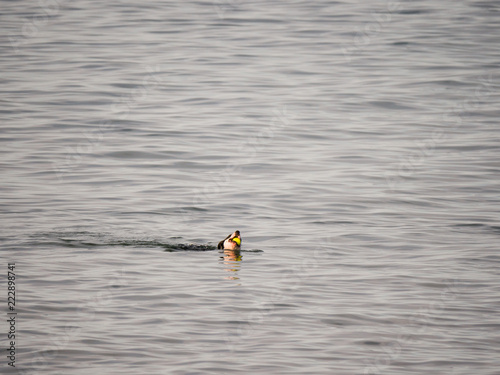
(84, 239)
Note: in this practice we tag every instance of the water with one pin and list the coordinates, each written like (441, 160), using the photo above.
(354, 145)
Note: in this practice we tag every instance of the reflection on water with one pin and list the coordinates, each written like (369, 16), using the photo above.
(232, 261)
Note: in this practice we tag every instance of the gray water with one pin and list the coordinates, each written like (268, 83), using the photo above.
(354, 145)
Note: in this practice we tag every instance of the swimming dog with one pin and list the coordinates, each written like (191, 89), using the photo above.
(231, 242)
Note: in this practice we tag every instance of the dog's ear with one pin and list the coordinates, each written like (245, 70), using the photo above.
(221, 244)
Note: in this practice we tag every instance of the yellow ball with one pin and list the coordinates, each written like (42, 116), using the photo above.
(237, 240)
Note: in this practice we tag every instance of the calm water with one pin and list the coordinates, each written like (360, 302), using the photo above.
(354, 144)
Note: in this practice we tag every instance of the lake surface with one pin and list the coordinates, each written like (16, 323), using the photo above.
(354, 144)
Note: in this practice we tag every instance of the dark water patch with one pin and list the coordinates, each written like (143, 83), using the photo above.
(470, 225)
(134, 155)
(386, 104)
(495, 229)
(368, 342)
(193, 208)
(491, 6)
(414, 11)
(489, 228)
